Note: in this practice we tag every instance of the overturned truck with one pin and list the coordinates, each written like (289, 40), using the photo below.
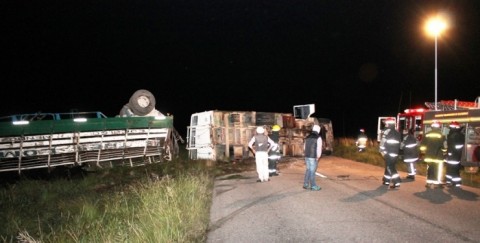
(139, 135)
(224, 135)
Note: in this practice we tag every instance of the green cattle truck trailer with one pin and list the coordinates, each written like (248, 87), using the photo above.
(48, 140)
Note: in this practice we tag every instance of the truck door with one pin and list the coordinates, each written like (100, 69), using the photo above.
(472, 136)
(381, 125)
(199, 136)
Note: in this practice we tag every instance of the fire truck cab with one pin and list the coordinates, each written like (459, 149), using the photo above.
(411, 119)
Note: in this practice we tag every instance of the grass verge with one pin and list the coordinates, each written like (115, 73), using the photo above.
(166, 202)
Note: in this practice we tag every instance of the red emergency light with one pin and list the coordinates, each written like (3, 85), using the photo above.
(418, 110)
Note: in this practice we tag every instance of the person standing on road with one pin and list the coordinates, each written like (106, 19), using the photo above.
(274, 154)
(433, 145)
(313, 152)
(455, 143)
(361, 141)
(389, 148)
(411, 152)
(260, 144)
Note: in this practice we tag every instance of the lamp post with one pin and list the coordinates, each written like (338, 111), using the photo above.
(435, 26)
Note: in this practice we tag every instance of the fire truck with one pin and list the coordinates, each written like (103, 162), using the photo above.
(413, 118)
(465, 112)
(468, 115)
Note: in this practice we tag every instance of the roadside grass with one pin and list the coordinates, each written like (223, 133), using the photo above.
(161, 202)
(165, 202)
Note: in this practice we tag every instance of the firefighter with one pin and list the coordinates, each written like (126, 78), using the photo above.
(389, 148)
(433, 145)
(455, 142)
(361, 142)
(411, 153)
(274, 153)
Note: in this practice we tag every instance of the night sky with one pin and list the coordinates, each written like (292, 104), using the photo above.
(355, 60)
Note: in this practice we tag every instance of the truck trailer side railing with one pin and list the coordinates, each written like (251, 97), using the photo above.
(27, 144)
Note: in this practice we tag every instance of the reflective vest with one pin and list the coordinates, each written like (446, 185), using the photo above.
(434, 146)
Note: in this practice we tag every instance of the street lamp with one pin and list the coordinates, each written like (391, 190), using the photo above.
(435, 26)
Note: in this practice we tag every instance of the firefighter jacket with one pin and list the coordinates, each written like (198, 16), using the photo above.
(410, 147)
(361, 140)
(455, 142)
(274, 153)
(433, 144)
(275, 150)
(390, 143)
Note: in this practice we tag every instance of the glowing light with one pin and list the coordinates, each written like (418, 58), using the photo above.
(21, 122)
(80, 119)
(436, 25)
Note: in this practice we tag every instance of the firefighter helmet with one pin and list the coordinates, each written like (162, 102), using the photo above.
(454, 125)
(275, 128)
(436, 124)
(260, 130)
(390, 121)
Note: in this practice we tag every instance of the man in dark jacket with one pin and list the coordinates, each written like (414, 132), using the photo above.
(455, 142)
(389, 148)
(313, 152)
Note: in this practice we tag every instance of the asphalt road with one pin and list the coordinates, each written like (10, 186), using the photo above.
(353, 206)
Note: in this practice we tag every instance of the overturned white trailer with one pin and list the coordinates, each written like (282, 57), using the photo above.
(224, 135)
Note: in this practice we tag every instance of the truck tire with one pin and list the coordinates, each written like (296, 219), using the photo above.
(142, 102)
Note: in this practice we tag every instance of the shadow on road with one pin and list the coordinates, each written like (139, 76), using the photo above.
(365, 195)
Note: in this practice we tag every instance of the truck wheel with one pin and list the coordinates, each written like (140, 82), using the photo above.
(142, 102)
